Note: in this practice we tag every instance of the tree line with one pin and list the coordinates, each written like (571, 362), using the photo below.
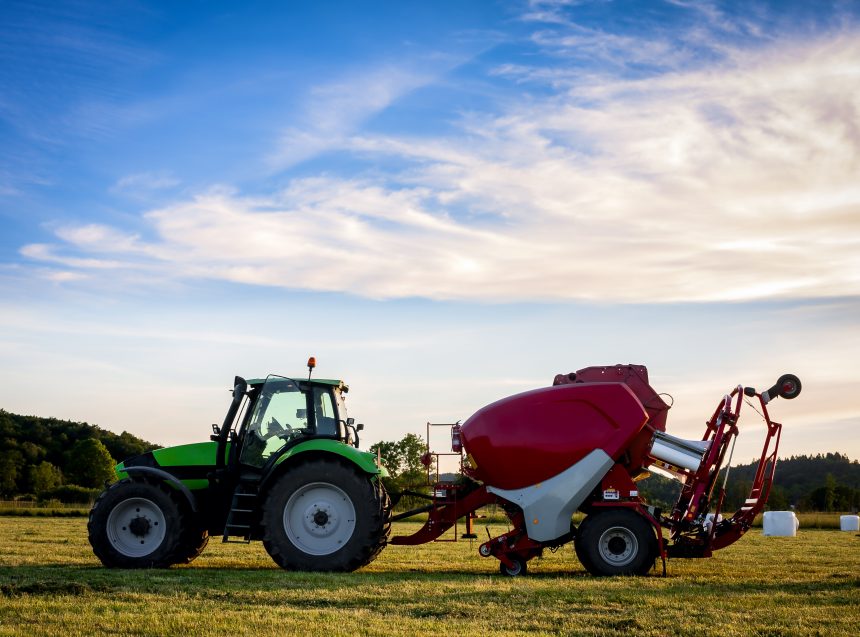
(48, 458)
(824, 482)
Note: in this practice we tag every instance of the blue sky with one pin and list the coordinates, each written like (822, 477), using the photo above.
(446, 203)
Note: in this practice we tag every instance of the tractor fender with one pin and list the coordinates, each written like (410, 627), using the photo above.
(160, 474)
(363, 460)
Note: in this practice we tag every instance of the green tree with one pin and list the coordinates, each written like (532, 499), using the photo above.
(829, 492)
(403, 457)
(89, 464)
(11, 465)
(777, 500)
(412, 447)
(45, 476)
(403, 461)
(390, 454)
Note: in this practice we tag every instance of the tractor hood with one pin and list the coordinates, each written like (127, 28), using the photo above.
(191, 463)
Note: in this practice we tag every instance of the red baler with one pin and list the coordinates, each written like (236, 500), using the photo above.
(582, 444)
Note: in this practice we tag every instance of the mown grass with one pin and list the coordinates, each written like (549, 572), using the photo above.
(808, 520)
(50, 584)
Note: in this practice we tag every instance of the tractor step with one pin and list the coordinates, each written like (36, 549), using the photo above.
(240, 519)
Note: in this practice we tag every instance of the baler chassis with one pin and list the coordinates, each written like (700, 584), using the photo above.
(616, 517)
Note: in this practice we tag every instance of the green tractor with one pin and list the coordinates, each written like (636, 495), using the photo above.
(284, 468)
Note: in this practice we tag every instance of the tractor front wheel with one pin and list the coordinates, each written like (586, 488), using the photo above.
(616, 542)
(135, 524)
(323, 515)
(196, 539)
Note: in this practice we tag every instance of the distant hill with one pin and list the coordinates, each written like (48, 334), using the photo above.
(824, 482)
(35, 451)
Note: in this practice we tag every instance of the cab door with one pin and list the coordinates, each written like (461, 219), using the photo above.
(280, 416)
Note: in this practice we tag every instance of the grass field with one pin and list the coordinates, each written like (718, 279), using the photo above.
(50, 584)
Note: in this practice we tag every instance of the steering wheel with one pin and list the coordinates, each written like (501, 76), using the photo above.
(277, 429)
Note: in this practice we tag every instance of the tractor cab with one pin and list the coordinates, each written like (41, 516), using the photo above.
(280, 413)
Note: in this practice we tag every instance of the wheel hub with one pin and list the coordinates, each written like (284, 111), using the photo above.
(319, 518)
(139, 526)
(136, 527)
(618, 546)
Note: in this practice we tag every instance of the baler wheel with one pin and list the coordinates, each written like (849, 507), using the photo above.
(323, 515)
(520, 567)
(135, 524)
(616, 542)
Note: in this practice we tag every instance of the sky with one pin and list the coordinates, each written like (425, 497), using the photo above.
(446, 203)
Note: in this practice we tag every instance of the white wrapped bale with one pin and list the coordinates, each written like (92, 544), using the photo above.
(709, 521)
(780, 524)
(849, 522)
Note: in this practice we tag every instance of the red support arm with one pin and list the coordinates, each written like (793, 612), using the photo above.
(443, 517)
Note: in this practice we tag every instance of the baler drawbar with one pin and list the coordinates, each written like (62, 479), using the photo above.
(581, 445)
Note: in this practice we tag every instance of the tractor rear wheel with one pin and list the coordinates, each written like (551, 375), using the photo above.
(323, 515)
(135, 524)
(616, 542)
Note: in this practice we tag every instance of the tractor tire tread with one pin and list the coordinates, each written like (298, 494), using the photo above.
(164, 555)
(373, 517)
(194, 536)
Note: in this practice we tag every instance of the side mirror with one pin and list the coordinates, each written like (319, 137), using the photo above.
(359, 426)
(350, 422)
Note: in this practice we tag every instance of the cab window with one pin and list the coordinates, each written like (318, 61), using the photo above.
(325, 414)
(280, 415)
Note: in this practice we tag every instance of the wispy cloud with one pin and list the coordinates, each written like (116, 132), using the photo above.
(145, 182)
(729, 181)
(332, 112)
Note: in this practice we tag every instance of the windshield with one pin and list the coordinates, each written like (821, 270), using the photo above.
(280, 414)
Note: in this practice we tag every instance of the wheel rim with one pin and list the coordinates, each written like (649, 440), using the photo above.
(136, 527)
(319, 518)
(618, 546)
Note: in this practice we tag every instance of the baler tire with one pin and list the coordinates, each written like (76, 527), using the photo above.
(155, 514)
(628, 531)
(520, 567)
(342, 526)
